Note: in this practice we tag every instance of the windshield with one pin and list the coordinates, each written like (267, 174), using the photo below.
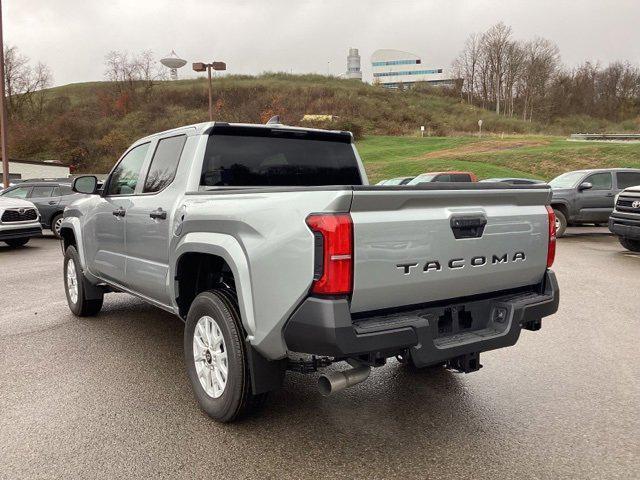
(394, 181)
(427, 177)
(566, 180)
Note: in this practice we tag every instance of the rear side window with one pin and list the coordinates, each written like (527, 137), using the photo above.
(265, 157)
(164, 163)
(627, 179)
(40, 192)
(600, 181)
(460, 177)
(124, 178)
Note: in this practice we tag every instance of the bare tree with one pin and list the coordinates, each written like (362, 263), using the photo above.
(496, 43)
(132, 75)
(24, 84)
(466, 64)
(541, 61)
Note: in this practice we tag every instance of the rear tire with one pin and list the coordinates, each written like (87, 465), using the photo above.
(631, 245)
(561, 223)
(17, 242)
(74, 287)
(213, 343)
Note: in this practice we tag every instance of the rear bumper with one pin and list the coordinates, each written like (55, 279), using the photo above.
(20, 232)
(625, 225)
(433, 334)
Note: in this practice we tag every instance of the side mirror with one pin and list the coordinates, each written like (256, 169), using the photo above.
(87, 184)
(585, 186)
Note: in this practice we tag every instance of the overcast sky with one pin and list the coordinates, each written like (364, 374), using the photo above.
(252, 36)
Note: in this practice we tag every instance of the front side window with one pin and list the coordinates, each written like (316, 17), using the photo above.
(42, 192)
(18, 192)
(65, 190)
(600, 181)
(164, 163)
(124, 178)
(443, 178)
(628, 179)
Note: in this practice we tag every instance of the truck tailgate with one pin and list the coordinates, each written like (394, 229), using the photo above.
(425, 244)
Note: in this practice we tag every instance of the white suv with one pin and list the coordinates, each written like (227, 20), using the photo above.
(19, 221)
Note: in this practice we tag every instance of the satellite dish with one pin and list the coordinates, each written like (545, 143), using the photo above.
(173, 63)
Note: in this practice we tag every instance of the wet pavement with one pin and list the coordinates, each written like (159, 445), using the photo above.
(108, 397)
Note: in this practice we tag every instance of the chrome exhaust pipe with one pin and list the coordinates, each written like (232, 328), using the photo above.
(332, 382)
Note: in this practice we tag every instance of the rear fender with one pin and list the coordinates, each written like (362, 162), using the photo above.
(228, 248)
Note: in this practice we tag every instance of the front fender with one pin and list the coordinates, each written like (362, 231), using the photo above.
(228, 248)
(73, 224)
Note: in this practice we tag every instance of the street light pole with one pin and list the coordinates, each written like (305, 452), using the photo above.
(210, 94)
(3, 114)
(201, 67)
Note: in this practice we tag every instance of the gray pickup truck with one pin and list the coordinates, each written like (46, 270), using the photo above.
(268, 242)
(587, 196)
(624, 222)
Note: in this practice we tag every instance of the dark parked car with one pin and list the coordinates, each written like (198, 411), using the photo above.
(515, 181)
(588, 196)
(50, 197)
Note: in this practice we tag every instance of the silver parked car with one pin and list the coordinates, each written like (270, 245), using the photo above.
(19, 221)
(50, 198)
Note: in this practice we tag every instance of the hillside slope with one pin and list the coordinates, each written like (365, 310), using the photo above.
(90, 124)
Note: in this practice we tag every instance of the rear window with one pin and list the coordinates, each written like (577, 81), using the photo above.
(460, 177)
(239, 157)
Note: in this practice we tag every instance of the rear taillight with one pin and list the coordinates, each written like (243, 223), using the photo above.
(551, 249)
(333, 264)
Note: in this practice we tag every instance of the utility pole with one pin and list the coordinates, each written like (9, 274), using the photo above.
(4, 124)
(201, 67)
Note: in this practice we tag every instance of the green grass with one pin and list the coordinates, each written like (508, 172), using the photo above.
(531, 156)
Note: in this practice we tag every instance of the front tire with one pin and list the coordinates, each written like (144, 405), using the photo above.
(74, 287)
(561, 223)
(631, 245)
(17, 242)
(215, 357)
(56, 225)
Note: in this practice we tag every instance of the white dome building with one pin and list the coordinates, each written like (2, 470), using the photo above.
(392, 68)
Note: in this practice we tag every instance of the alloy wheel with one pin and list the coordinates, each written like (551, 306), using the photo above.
(72, 281)
(210, 356)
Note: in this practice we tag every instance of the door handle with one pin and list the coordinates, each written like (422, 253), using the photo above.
(52, 202)
(120, 212)
(611, 195)
(158, 214)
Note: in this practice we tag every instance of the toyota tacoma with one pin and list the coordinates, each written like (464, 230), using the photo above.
(268, 242)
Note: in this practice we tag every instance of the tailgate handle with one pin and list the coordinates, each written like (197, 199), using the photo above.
(468, 226)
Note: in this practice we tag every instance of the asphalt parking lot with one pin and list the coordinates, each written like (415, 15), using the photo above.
(108, 397)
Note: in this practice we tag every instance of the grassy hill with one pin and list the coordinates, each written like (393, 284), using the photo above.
(532, 156)
(90, 124)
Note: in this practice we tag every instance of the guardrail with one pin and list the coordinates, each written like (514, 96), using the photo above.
(620, 137)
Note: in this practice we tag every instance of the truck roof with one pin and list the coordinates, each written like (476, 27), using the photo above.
(206, 127)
